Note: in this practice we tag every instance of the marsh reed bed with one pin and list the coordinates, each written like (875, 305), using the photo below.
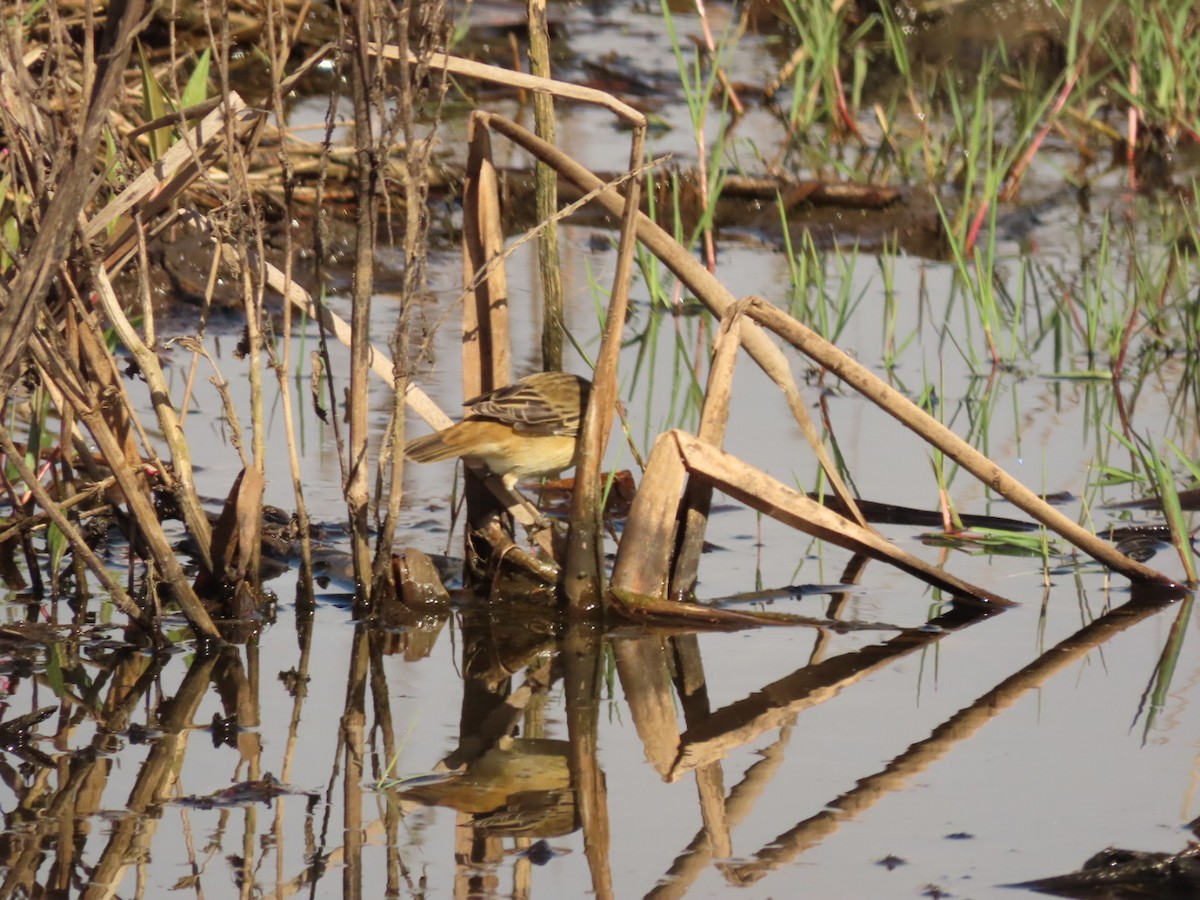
(899, 193)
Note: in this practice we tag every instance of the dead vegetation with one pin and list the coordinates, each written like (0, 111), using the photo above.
(105, 157)
(79, 211)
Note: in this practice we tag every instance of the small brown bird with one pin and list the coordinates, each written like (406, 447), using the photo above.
(524, 430)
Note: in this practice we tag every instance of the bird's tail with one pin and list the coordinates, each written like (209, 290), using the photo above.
(432, 447)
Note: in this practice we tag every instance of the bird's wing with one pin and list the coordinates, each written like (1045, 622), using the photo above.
(546, 403)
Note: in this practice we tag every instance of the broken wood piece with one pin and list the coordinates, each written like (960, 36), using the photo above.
(767, 495)
(643, 566)
(714, 418)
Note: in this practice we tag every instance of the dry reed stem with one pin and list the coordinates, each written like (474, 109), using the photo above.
(938, 435)
(714, 418)
(583, 584)
(496, 75)
(643, 565)
(237, 538)
(365, 90)
(486, 348)
(168, 419)
(54, 512)
(762, 492)
(546, 193)
(423, 26)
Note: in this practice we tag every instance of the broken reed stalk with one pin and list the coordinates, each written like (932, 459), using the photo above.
(279, 349)
(767, 495)
(583, 583)
(714, 418)
(482, 72)
(650, 526)
(546, 194)
(938, 435)
(363, 87)
(252, 297)
(486, 348)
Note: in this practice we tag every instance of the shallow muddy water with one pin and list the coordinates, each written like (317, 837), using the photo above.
(897, 759)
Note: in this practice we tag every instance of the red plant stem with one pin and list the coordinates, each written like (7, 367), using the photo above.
(1018, 170)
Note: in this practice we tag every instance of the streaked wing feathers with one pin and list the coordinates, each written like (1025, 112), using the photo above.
(542, 404)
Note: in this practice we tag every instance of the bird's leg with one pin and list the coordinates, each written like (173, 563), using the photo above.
(539, 521)
(533, 518)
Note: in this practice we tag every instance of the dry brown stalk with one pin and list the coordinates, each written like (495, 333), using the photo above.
(366, 93)
(546, 194)
(583, 584)
(643, 565)
(495, 75)
(938, 435)
(714, 417)
(168, 418)
(54, 512)
(762, 492)
(25, 295)
(486, 349)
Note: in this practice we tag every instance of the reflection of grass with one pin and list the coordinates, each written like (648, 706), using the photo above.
(1157, 691)
(996, 541)
(1164, 481)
